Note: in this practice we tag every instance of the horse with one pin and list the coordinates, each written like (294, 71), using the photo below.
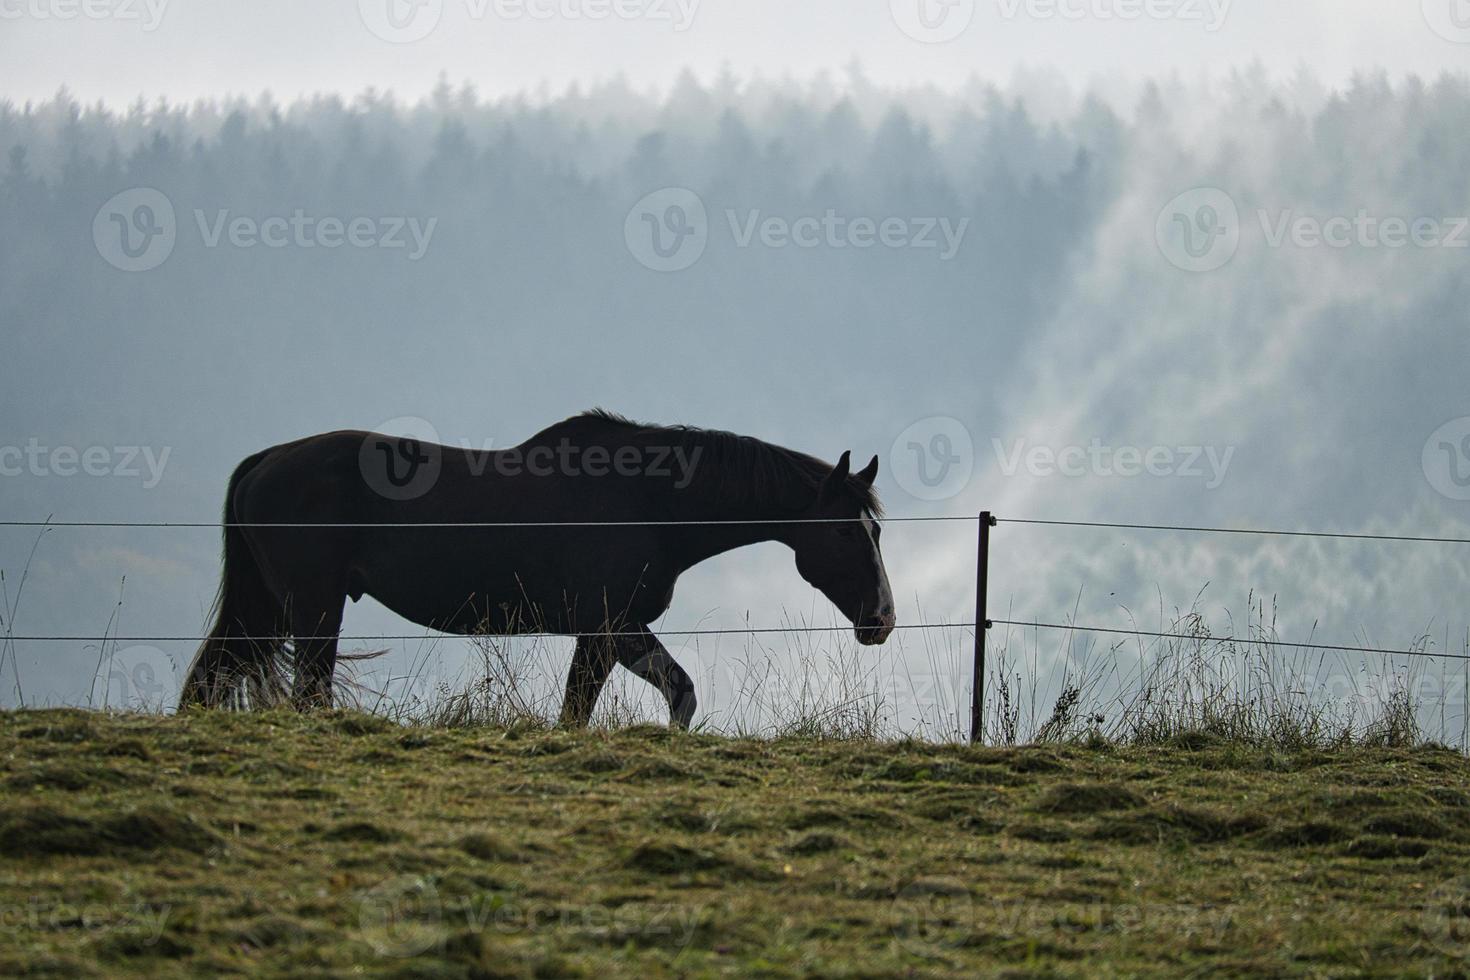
(581, 530)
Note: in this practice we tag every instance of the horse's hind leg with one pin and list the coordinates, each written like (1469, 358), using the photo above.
(315, 625)
(591, 663)
(645, 656)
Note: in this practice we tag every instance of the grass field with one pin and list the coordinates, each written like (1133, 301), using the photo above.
(340, 844)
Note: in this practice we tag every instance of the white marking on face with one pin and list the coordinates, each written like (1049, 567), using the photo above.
(885, 594)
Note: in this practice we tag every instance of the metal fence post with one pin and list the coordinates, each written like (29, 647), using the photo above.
(982, 625)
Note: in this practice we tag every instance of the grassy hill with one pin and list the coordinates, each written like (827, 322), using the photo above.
(342, 845)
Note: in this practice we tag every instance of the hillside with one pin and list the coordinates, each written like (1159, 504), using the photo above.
(341, 845)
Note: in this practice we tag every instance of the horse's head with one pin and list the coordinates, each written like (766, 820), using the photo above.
(837, 551)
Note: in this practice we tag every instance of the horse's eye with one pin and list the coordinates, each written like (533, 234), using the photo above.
(846, 530)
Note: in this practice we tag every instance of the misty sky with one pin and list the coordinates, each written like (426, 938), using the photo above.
(1161, 269)
(186, 49)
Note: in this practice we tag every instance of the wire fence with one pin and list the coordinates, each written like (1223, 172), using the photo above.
(909, 519)
(483, 524)
(979, 626)
(1261, 532)
(1254, 641)
(372, 637)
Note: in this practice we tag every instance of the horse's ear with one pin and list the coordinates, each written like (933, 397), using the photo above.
(832, 486)
(868, 473)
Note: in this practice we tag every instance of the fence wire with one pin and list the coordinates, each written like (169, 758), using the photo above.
(908, 519)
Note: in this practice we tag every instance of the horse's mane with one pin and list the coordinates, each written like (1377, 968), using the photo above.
(769, 468)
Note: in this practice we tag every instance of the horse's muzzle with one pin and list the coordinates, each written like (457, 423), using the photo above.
(875, 629)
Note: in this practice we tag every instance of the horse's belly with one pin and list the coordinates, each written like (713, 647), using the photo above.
(456, 604)
(473, 598)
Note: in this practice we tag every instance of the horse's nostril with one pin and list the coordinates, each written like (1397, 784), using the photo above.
(874, 630)
(880, 622)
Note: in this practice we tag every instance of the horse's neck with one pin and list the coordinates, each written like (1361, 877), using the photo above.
(715, 527)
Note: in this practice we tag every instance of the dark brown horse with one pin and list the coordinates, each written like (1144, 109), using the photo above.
(583, 529)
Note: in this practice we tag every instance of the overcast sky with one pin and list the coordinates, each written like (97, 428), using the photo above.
(183, 49)
(1135, 278)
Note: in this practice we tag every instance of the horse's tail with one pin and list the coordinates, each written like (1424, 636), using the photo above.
(246, 644)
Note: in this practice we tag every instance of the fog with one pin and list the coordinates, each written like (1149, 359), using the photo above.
(1235, 301)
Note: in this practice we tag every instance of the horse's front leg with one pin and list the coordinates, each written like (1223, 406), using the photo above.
(645, 656)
